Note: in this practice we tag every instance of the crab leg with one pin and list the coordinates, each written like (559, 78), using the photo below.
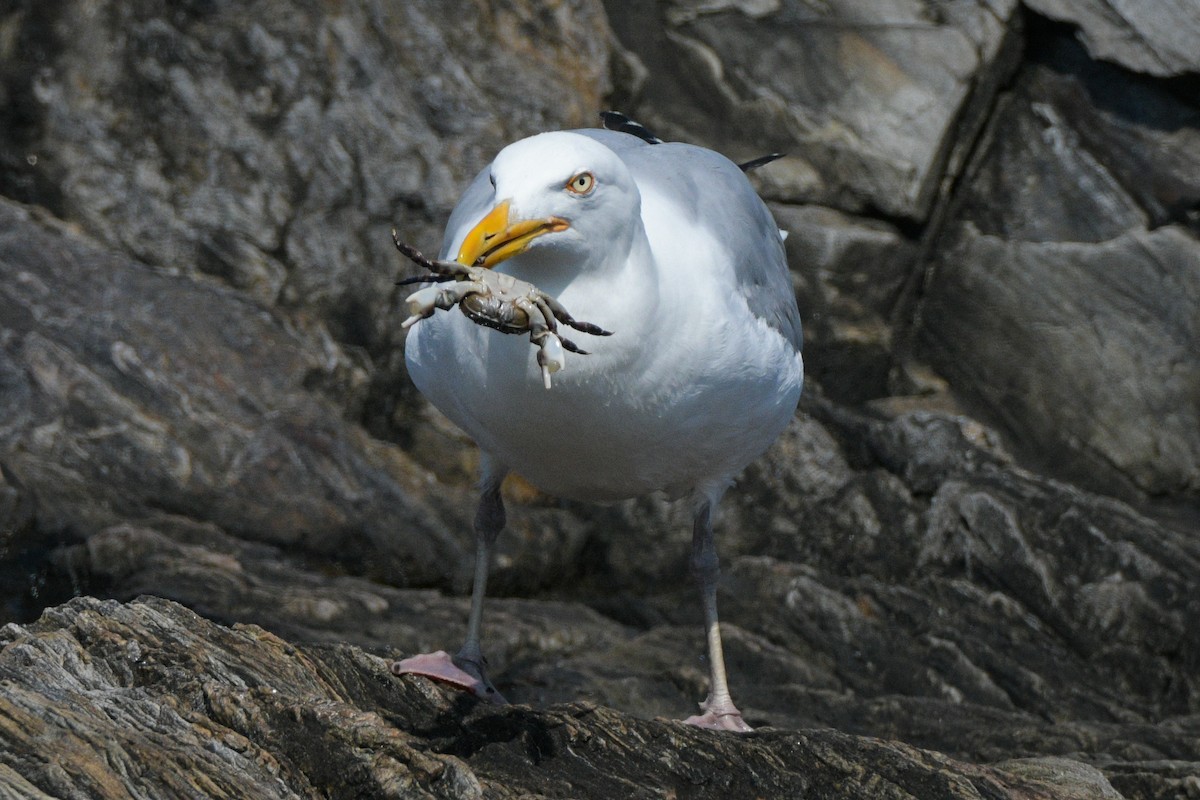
(497, 300)
(446, 270)
(564, 316)
(547, 314)
(542, 327)
(569, 345)
(421, 304)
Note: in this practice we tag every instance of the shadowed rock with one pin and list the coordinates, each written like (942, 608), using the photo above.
(1063, 295)
(128, 392)
(1155, 38)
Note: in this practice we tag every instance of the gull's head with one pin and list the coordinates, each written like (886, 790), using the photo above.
(556, 198)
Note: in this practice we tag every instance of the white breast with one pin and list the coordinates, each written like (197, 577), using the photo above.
(673, 400)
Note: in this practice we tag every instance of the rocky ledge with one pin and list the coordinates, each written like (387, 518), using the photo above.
(147, 699)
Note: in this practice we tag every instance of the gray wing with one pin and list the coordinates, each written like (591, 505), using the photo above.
(710, 187)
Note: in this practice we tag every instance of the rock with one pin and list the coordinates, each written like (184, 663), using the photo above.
(1071, 779)
(229, 579)
(1083, 278)
(274, 144)
(868, 121)
(1155, 38)
(855, 271)
(148, 698)
(1156, 779)
(924, 591)
(128, 392)
(969, 580)
(26, 581)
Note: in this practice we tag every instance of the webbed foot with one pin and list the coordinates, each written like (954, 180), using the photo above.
(722, 716)
(457, 672)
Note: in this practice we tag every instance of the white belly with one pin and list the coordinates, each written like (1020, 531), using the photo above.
(689, 409)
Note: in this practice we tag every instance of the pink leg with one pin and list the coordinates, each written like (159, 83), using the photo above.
(466, 669)
(719, 712)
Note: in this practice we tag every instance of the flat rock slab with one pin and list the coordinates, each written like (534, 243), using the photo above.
(846, 88)
(105, 700)
(1063, 298)
(127, 392)
(1158, 38)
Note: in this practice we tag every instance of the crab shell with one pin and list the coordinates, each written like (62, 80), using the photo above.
(495, 312)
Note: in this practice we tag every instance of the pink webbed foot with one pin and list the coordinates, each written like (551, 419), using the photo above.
(460, 673)
(722, 716)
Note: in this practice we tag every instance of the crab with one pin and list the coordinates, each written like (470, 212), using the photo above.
(495, 300)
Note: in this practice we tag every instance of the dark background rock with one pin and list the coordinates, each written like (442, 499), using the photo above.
(979, 536)
(1065, 288)
(1154, 38)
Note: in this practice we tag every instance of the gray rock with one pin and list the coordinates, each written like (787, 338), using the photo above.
(1072, 779)
(853, 276)
(1157, 38)
(846, 88)
(1081, 337)
(274, 144)
(149, 699)
(1062, 302)
(129, 392)
(926, 592)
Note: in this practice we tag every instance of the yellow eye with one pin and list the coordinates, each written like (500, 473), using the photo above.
(583, 183)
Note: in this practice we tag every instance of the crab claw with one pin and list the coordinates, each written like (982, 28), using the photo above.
(551, 357)
(421, 304)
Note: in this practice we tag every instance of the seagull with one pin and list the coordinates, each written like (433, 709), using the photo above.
(667, 246)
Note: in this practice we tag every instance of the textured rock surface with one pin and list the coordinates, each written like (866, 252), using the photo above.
(274, 144)
(1156, 38)
(202, 710)
(127, 392)
(978, 538)
(846, 88)
(1073, 263)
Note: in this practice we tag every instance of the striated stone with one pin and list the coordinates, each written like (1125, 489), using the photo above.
(131, 392)
(845, 88)
(147, 698)
(1063, 298)
(1156, 38)
(274, 144)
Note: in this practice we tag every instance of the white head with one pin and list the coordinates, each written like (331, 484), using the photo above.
(560, 201)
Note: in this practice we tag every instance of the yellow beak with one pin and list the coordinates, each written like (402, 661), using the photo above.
(495, 238)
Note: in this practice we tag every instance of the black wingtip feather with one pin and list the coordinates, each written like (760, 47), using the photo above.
(616, 121)
(755, 163)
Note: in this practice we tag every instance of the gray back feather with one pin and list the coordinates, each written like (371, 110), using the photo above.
(711, 187)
